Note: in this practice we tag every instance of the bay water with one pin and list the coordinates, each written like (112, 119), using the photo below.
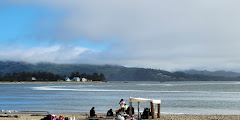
(185, 97)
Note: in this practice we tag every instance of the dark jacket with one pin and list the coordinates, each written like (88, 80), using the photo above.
(92, 113)
(109, 113)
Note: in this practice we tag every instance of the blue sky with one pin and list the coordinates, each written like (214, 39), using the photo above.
(170, 35)
(17, 22)
(14, 22)
(17, 28)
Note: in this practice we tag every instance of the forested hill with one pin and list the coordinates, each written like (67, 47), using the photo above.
(213, 73)
(111, 72)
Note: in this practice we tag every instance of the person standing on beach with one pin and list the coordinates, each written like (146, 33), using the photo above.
(122, 103)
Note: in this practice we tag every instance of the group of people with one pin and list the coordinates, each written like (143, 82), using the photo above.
(94, 114)
(122, 113)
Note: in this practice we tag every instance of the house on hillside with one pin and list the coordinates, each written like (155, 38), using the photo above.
(76, 79)
(84, 80)
(67, 79)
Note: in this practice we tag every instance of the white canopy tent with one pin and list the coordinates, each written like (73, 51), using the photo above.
(132, 99)
(152, 102)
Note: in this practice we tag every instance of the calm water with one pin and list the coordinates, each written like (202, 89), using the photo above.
(177, 97)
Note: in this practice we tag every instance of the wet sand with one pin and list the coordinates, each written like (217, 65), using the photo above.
(85, 116)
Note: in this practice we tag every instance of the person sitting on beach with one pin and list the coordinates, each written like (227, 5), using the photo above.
(49, 117)
(53, 117)
(128, 111)
(133, 111)
(61, 117)
(117, 111)
(146, 113)
(110, 112)
(123, 113)
(121, 103)
(92, 112)
(122, 110)
(129, 118)
(120, 117)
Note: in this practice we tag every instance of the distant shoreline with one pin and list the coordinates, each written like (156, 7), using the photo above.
(77, 82)
(49, 82)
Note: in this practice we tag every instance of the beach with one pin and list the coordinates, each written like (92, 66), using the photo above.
(179, 100)
(30, 116)
(84, 116)
(200, 117)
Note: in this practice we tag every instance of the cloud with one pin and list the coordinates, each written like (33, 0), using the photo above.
(171, 35)
(53, 54)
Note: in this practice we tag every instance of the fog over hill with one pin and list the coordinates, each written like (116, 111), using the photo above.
(118, 73)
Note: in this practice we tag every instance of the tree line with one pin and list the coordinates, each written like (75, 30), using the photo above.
(94, 76)
(48, 76)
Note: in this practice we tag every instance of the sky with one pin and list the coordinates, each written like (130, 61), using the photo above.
(167, 34)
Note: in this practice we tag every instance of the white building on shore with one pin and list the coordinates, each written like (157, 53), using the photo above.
(76, 79)
(34, 79)
(67, 79)
(84, 80)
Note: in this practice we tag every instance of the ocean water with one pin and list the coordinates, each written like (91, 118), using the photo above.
(201, 97)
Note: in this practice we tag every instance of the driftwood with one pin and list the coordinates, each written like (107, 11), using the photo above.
(38, 115)
(10, 116)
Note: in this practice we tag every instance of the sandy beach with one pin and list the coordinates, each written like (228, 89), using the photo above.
(85, 116)
(38, 116)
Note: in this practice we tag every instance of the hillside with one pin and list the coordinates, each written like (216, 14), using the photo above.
(213, 73)
(111, 72)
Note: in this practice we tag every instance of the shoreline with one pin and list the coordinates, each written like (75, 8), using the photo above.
(49, 82)
(36, 116)
(78, 82)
